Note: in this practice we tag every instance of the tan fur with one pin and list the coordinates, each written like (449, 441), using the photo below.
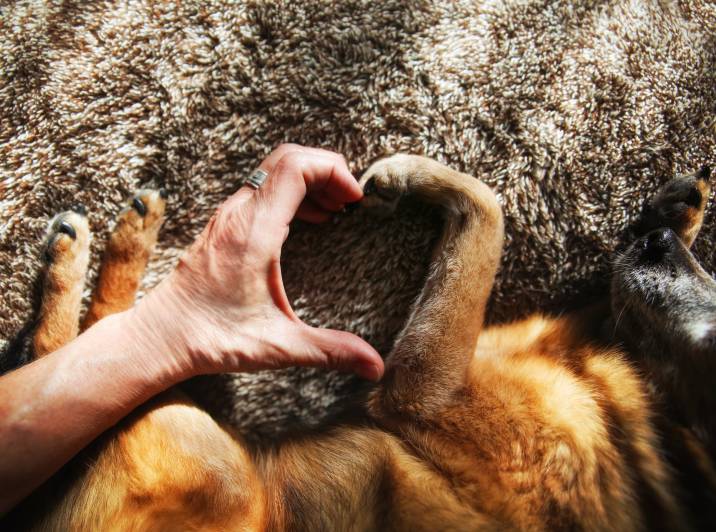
(529, 425)
(64, 279)
(694, 217)
(169, 464)
(125, 259)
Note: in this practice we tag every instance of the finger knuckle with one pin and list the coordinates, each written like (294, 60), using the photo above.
(291, 160)
(286, 147)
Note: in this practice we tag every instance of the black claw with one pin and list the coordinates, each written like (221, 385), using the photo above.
(351, 207)
(163, 193)
(139, 206)
(66, 228)
(369, 187)
(704, 172)
(79, 208)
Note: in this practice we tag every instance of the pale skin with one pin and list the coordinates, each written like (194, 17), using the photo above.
(223, 309)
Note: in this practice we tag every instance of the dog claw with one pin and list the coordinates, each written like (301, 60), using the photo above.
(369, 187)
(139, 206)
(79, 208)
(67, 229)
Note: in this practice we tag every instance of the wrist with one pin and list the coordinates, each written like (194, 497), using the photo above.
(156, 337)
(183, 332)
(111, 374)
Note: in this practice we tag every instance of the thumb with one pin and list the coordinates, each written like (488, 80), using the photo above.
(345, 352)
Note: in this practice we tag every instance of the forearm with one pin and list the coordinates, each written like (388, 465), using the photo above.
(55, 406)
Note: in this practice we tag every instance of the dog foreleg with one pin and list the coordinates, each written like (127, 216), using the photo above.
(126, 256)
(67, 256)
(430, 359)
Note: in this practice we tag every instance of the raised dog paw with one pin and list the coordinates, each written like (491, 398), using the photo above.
(138, 223)
(66, 253)
(679, 205)
(126, 255)
(66, 245)
(386, 181)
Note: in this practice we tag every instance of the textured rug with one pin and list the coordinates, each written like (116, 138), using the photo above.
(572, 111)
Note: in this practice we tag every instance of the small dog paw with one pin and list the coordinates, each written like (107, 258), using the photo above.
(139, 222)
(67, 238)
(385, 182)
(679, 205)
(145, 210)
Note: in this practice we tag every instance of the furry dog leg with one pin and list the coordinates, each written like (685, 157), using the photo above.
(67, 255)
(126, 256)
(431, 356)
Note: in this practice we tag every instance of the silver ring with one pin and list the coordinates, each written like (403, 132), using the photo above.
(256, 179)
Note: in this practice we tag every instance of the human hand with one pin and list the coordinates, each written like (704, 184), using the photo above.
(225, 308)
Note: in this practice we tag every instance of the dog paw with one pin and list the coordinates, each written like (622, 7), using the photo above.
(139, 222)
(386, 181)
(66, 248)
(145, 210)
(67, 236)
(679, 205)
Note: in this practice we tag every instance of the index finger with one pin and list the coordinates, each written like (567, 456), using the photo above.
(272, 159)
(300, 174)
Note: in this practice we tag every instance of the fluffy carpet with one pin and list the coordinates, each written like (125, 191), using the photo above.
(572, 111)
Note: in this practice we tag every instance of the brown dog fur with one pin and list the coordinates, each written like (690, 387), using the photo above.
(127, 254)
(67, 257)
(531, 425)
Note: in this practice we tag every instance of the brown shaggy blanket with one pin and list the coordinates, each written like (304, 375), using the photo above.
(572, 111)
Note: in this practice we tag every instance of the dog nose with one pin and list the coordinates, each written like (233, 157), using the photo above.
(658, 243)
